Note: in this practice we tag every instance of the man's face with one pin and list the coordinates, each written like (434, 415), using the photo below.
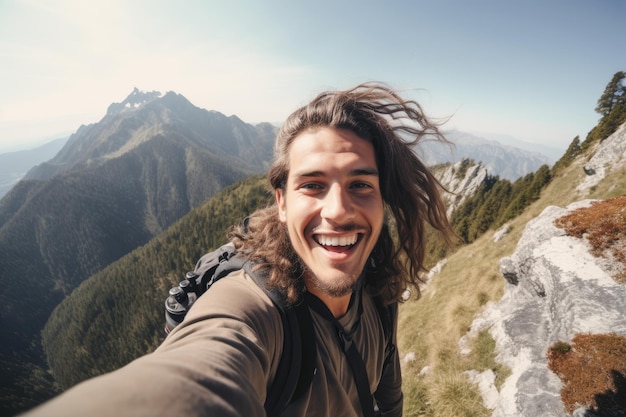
(332, 206)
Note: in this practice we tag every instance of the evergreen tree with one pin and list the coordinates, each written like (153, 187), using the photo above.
(572, 152)
(614, 94)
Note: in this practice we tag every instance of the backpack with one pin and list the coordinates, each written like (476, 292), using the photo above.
(297, 363)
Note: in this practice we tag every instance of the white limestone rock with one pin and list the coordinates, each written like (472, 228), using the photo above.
(555, 289)
(501, 232)
(610, 155)
(461, 187)
(486, 386)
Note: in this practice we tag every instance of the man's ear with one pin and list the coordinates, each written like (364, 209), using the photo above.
(280, 201)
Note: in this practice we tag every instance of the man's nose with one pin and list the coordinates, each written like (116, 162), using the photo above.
(337, 204)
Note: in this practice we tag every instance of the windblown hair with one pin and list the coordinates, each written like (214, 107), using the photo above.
(411, 195)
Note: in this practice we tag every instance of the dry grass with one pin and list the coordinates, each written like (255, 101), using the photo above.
(482, 357)
(593, 372)
(603, 224)
(455, 395)
(614, 185)
(432, 326)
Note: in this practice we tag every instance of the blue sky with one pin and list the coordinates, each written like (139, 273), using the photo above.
(530, 69)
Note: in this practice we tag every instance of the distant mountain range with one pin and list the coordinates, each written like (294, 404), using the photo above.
(14, 165)
(552, 152)
(505, 161)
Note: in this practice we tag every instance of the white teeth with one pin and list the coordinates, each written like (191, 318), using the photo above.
(337, 240)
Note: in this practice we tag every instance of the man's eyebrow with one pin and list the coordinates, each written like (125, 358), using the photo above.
(354, 173)
(308, 174)
(364, 171)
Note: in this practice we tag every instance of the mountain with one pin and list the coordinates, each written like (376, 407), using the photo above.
(14, 165)
(553, 153)
(143, 118)
(502, 160)
(113, 186)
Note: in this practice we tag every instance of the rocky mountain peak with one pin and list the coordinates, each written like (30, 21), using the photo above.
(135, 99)
(152, 118)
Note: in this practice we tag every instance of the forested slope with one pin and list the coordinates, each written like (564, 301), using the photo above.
(118, 314)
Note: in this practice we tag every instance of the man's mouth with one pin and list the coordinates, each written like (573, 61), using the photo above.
(337, 242)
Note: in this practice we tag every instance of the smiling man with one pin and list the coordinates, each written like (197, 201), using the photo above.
(345, 170)
(333, 210)
(346, 179)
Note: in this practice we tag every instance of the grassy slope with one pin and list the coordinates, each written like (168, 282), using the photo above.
(432, 326)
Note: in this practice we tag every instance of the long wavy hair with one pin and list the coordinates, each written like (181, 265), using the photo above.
(411, 194)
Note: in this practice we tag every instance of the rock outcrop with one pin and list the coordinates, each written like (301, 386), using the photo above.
(462, 180)
(610, 155)
(555, 289)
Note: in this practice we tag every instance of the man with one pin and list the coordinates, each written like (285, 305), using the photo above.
(344, 163)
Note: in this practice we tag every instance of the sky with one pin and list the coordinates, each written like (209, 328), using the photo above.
(531, 69)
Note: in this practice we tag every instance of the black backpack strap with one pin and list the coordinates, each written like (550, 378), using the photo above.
(297, 364)
(231, 262)
(388, 315)
(352, 354)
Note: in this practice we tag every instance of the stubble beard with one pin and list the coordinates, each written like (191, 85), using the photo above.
(335, 289)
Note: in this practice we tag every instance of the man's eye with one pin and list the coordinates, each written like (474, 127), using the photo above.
(311, 186)
(361, 185)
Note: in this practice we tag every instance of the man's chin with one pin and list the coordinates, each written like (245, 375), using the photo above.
(336, 287)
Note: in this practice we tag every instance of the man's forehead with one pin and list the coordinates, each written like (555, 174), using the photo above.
(329, 140)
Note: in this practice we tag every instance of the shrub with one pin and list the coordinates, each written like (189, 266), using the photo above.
(603, 224)
(593, 372)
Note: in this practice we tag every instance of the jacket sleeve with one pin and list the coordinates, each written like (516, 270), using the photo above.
(219, 361)
(389, 397)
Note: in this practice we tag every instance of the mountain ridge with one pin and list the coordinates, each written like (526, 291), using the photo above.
(14, 165)
(509, 162)
(552, 152)
(121, 131)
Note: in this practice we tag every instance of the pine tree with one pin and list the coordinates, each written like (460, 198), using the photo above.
(572, 152)
(614, 94)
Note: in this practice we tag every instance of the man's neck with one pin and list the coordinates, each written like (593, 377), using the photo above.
(338, 306)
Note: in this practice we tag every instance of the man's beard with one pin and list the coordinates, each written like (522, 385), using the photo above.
(333, 289)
